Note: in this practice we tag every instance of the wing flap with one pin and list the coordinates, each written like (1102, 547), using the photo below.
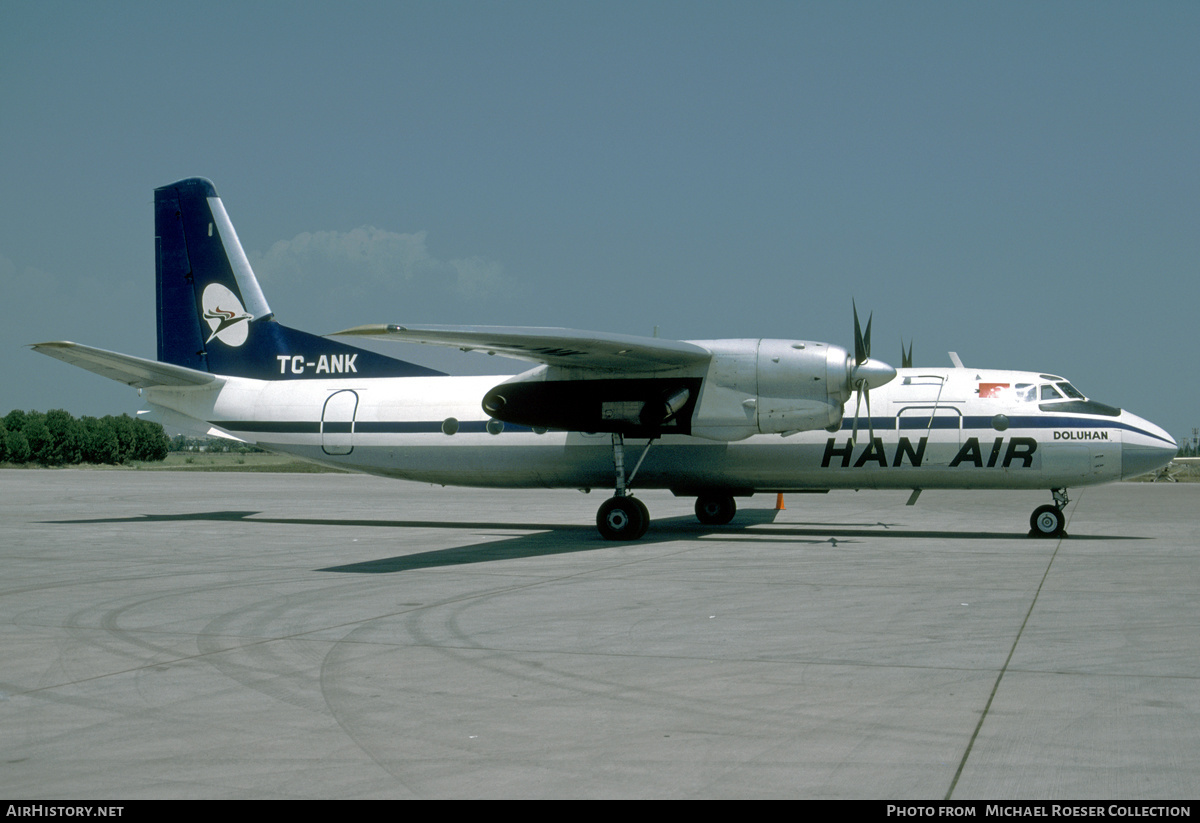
(554, 347)
(124, 368)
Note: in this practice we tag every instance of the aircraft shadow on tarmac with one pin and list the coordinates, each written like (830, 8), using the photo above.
(555, 538)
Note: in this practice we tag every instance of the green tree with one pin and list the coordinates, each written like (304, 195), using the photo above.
(57, 438)
(150, 441)
(66, 438)
(14, 421)
(41, 444)
(122, 427)
(17, 447)
(100, 444)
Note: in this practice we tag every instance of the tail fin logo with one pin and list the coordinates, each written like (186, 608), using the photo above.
(225, 315)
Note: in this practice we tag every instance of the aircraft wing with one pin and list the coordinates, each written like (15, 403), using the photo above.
(124, 368)
(566, 348)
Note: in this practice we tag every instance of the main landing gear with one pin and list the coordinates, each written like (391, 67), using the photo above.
(1049, 520)
(622, 516)
(715, 509)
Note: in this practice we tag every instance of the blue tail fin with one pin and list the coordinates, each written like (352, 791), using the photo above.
(212, 315)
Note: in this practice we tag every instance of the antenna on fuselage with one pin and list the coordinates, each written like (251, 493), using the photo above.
(958, 364)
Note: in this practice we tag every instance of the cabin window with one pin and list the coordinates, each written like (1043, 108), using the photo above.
(1026, 392)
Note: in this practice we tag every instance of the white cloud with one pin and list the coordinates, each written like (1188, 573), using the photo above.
(369, 259)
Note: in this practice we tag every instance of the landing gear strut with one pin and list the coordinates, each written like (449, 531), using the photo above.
(622, 516)
(1049, 520)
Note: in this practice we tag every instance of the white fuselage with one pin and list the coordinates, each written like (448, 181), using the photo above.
(933, 428)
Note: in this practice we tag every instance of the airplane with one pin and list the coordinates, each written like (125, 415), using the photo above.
(710, 419)
(1179, 467)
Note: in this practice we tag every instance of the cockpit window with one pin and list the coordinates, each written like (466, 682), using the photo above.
(1071, 392)
(1048, 393)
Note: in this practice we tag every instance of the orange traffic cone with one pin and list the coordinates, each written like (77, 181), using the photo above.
(779, 502)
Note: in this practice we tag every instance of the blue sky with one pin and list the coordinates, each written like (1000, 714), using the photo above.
(1018, 182)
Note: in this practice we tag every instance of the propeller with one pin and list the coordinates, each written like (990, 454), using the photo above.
(866, 373)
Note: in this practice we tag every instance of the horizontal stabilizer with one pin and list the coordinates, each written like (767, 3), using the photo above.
(124, 368)
(171, 419)
(565, 348)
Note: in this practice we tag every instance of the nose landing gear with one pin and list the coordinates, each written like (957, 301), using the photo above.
(1050, 520)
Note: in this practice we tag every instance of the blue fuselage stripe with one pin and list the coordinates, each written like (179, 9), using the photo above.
(910, 422)
(360, 426)
(906, 423)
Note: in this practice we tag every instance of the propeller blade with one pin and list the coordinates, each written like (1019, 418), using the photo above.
(857, 406)
(865, 372)
(860, 351)
(870, 423)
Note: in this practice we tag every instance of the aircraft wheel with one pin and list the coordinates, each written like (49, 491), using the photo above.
(622, 518)
(1047, 521)
(715, 509)
(645, 517)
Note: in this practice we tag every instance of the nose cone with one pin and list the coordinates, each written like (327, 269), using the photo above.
(875, 372)
(1145, 448)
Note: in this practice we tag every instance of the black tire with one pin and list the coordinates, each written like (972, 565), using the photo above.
(645, 517)
(622, 518)
(715, 509)
(1047, 521)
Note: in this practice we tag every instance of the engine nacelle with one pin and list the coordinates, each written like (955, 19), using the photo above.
(748, 387)
(771, 387)
(644, 406)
